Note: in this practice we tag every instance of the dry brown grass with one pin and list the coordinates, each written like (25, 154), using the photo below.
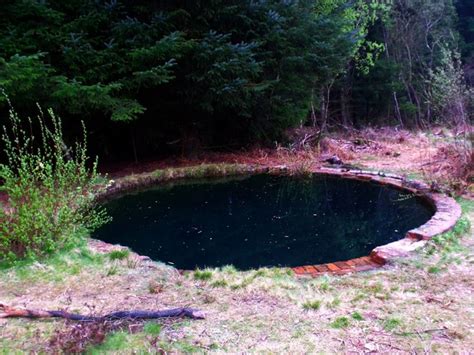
(407, 307)
(420, 304)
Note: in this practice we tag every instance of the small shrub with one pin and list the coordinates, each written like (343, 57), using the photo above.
(312, 305)
(119, 254)
(340, 323)
(50, 190)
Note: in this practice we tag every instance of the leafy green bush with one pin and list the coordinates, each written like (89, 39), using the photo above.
(49, 187)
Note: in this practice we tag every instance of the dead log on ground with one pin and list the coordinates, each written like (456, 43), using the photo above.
(10, 312)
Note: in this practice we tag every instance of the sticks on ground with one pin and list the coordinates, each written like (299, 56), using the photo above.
(10, 312)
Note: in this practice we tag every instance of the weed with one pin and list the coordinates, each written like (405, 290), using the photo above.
(375, 288)
(357, 316)
(312, 305)
(340, 323)
(219, 283)
(260, 273)
(334, 303)
(202, 275)
(246, 282)
(466, 204)
(133, 263)
(325, 284)
(112, 270)
(434, 269)
(113, 342)
(155, 287)
(391, 323)
(119, 254)
(152, 328)
(360, 296)
(229, 269)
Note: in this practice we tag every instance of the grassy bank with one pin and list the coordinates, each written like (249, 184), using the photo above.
(419, 304)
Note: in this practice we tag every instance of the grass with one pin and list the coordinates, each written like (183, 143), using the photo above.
(357, 316)
(390, 324)
(119, 254)
(265, 310)
(203, 275)
(340, 323)
(188, 172)
(152, 328)
(312, 305)
(219, 283)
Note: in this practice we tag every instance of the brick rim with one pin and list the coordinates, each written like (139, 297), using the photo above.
(447, 213)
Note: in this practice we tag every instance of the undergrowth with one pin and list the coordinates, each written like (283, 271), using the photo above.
(50, 190)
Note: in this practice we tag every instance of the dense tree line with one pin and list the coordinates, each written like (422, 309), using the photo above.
(159, 76)
(418, 79)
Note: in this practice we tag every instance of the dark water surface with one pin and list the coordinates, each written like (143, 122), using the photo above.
(261, 220)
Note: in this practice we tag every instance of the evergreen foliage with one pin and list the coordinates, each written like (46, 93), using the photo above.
(184, 75)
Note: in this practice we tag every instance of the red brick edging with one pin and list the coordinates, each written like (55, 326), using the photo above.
(447, 214)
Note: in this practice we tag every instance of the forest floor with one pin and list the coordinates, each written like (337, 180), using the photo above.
(424, 303)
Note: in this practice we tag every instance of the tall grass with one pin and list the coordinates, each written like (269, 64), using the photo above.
(49, 187)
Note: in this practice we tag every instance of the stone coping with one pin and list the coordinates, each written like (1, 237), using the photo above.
(447, 211)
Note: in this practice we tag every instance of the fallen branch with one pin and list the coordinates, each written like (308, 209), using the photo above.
(10, 312)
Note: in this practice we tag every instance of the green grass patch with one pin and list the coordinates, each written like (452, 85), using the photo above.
(336, 302)
(357, 316)
(312, 305)
(466, 205)
(340, 323)
(119, 254)
(434, 269)
(391, 324)
(203, 275)
(53, 269)
(219, 283)
(118, 341)
(152, 328)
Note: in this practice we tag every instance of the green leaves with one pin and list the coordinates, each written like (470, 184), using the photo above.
(248, 66)
(21, 76)
(126, 110)
(49, 187)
